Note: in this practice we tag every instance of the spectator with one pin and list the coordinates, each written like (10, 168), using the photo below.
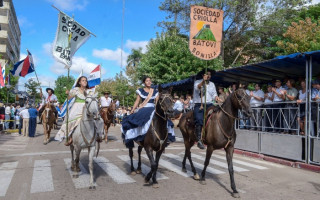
(25, 116)
(268, 98)
(256, 102)
(117, 103)
(289, 114)
(12, 116)
(222, 95)
(301, 103)
(315, 96)
(178, 105)
(33, 113)
(277, 105)
(232, 88)
(7, 116)
(20, 118)
(2, 114)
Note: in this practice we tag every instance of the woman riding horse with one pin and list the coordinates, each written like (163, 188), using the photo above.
(79, 92)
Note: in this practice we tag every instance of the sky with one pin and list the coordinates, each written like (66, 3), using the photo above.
(38, 22)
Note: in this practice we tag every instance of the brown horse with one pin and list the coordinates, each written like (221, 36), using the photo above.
(48, 119)
(107, 114)
(219, 132)
(156, 136)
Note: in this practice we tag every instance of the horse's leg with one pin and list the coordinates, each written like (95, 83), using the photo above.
(206, 163)
(131, 161)
(72, 158)
(154, 177)
(45, 133)
(106, 132)
(139, 162)
(229, 155)
(187, 146)
(152, 164)
(195, 174)
(91, 154)
(77, 160)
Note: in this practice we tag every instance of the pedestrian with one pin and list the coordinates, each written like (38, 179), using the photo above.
(203, 89)
(25, 116)
(290, 95)
(12, 116)
(257, 97)
(20, 118)
(33, 113)
(178, 105)
(7, 116)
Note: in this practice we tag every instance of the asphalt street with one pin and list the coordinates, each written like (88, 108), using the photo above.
(31, 170)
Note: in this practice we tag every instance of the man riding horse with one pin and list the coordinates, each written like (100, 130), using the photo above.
(50, 97)
(105, 100)
(107, 111)
(201, 97)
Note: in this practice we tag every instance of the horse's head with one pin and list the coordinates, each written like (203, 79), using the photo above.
(92, 106)
(47, 110)
(242, 101)
(165, 102)
(112, 108)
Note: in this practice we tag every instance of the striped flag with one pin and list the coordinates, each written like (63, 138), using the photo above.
(1, 78)
(23, 67)
(94, 77)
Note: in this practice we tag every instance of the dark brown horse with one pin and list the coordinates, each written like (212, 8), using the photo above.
(157, 135)
(219, 132)
(107, 114)
(48, 119)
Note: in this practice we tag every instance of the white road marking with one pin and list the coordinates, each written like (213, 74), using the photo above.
(6, 173)
(144, 168)
(198, 165)
(83, 181)
(113, 171)
(171, 167)
(239, 162)
(216, 162)
(42, 177)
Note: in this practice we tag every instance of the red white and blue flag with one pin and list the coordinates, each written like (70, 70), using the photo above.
(2, 79)
(23, 67)
(94, 77)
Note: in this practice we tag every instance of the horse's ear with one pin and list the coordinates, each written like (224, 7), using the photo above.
(160, 88)
(170, 89)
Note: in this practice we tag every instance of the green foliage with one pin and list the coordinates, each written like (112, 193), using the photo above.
(62, 84)
(168, 59)
(33, 89)
(133, 62)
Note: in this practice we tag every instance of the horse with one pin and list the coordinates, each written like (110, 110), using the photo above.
(48, 119)
(219, 132)
(107, 114)
(156, 136)
(85, 136)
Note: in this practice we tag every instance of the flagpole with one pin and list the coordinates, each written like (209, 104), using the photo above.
(35, 72)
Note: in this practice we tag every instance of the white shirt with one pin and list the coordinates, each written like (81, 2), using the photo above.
(267, 100)
(276, 98)
(25, 114)
(302, 96)
(105, 102)
(117, 103)
(8, 110)
(46, 98)
(178, 105)
(211, 92)
(255, 102)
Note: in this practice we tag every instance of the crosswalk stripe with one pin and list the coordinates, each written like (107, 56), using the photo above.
(239, 162)
(83, 180)
(6, 173)
(144, 168)
(218, 163)
(196, 164)
(113, 171)
(172, 167)
(42, 177)
(241, 157)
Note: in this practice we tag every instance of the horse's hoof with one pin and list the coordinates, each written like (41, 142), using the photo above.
(196, 177)
(155, 185)
(236, 195)
(138, 171)
(133, 173)
(92, 188)
(203, 182)
(75, 176)
(184, 170)
(146, 180)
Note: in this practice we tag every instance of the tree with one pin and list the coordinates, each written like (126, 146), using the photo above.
(301, 37)
(133, 62)
(62, 84)
(32, 89)
(168, 59)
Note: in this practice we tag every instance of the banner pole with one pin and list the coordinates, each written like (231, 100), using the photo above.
(205, 104)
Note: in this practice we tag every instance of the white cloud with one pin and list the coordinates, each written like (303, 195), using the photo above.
(47, 47)
(69, 5)
(78, 63)
(112, 55)
(136, 45)
(315, 1)
(24, 22)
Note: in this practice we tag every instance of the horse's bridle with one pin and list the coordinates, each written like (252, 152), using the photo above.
(165, 111)
(87, 106)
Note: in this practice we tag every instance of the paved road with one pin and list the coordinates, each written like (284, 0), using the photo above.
(31, 170)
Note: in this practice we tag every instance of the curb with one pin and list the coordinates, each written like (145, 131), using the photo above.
(290, 163)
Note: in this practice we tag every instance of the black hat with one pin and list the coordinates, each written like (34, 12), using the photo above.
(107, 92)
(47, 89)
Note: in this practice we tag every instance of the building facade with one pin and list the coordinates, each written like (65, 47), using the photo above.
(10, 34)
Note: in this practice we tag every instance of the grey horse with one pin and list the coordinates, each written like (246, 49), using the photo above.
(86, 134)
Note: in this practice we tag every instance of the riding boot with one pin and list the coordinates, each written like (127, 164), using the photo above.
(198, 134)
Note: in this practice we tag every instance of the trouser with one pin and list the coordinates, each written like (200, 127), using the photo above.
(25, 129)
(6, 124)
(267, 118)
(255, 119)
(277, 116)
(20, 124)
(198, 114)
(290, 114)
(32, 126)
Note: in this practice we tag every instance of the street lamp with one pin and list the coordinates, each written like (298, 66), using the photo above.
(127, 93)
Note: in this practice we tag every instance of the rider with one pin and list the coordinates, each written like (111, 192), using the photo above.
(80, 92)
(105, 100)
(198, 92)
(46, 98)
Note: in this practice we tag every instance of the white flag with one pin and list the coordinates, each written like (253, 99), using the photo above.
(61, 49)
